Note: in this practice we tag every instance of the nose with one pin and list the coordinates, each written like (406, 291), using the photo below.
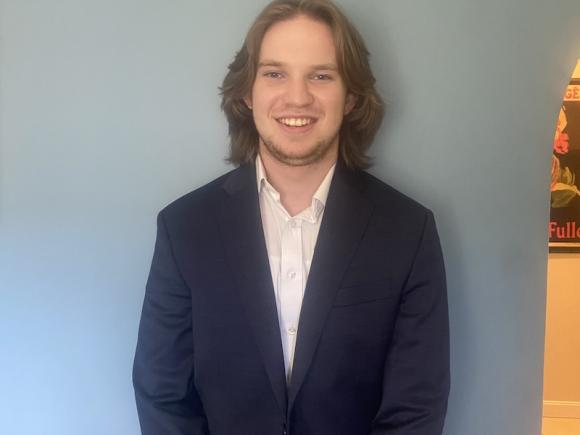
(298, 93)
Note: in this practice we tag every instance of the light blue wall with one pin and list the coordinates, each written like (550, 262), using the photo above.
(109, 110)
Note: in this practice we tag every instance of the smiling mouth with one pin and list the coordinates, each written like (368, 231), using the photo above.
(296, 122)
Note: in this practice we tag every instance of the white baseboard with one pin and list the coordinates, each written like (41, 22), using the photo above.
(558, 409)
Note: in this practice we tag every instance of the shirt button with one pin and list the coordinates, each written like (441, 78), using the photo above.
(292, 330)
(293, 224)
(291, 274)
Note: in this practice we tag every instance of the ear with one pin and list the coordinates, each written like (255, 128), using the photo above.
(248, 101)
(349, 103)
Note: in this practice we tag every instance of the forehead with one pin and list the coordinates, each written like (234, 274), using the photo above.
(299, 40)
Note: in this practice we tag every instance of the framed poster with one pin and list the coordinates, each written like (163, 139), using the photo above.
(564, 227)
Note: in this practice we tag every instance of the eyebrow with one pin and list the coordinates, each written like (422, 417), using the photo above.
(277, 64)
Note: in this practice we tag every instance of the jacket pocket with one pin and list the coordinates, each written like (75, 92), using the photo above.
(363, 293)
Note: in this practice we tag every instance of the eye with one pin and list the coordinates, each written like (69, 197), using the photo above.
(322, 77)
(273, 74)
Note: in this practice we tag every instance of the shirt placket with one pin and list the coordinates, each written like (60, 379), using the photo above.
(291, 287)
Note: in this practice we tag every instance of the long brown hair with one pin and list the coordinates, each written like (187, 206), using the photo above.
(359, 126)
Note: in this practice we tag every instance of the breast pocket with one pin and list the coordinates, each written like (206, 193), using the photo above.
(363, 293)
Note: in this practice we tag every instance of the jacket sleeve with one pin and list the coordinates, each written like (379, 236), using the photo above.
(167, 401)
(416, 375)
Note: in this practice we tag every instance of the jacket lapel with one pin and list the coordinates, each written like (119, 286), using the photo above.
(241, 225)
(345, 219)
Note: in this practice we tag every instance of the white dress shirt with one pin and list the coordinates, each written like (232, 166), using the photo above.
(290, 241)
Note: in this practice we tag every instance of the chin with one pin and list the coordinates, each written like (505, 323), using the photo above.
(313, 154)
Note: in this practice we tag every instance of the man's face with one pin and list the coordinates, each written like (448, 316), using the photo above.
(298, 98)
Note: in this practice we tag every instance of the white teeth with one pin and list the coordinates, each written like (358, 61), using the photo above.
(295, 122)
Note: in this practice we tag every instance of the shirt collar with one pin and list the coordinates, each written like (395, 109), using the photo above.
(318, 199)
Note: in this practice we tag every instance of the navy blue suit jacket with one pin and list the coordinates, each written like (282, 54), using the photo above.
(372, 353)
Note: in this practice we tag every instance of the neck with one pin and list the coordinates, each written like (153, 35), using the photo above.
(296, 184)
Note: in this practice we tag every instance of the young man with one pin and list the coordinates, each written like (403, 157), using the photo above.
(296, 294)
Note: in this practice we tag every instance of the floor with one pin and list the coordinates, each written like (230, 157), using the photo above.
(561, 426)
